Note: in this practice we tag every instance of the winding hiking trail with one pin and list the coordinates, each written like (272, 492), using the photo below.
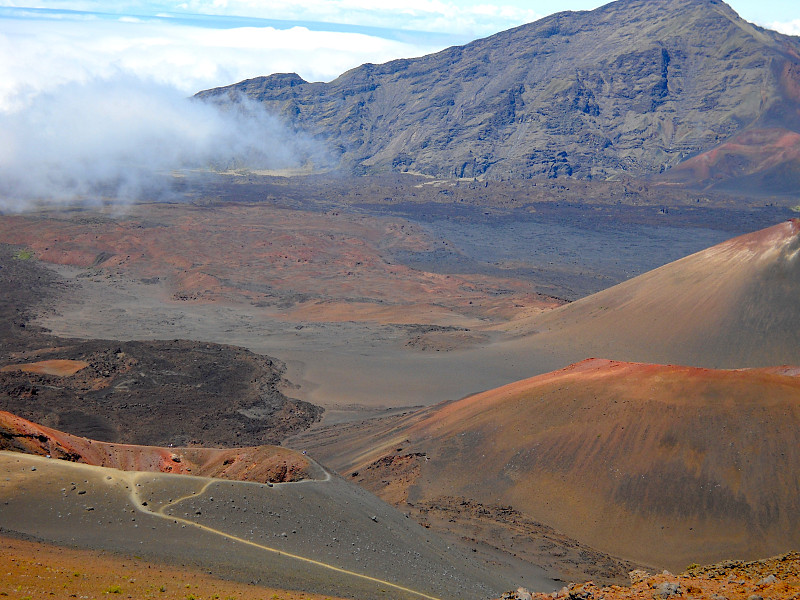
(150, 494)
(142, 507)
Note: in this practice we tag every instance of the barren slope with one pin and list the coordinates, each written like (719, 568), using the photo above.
(319, 536)
(733, 305)
(37, 569)
(661, 464)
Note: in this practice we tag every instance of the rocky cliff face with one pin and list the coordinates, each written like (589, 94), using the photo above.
(634, 87)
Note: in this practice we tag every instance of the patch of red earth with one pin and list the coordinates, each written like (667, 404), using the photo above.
(58, 368)
(258, 254)
(752, 151)
(260, 464)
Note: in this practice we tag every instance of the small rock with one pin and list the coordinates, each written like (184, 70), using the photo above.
(668, 589)
(768, 580)
(755, 597)
(638, 575)
(523, 594)
(374, 518)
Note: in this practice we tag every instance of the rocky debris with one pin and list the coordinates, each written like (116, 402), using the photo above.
(776, 578)
(638, 575)
(520, 594)
(668, 589)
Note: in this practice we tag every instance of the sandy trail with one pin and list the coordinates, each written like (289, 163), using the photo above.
(162, 513)
(337, 539)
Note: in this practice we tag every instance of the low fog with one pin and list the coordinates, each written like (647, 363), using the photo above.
(123, 139)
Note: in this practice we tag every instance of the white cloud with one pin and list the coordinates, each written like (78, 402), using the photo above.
(92, 104)
(441, 16)
(39, 54)
(98, 106)
(121, 138)
(787, 27)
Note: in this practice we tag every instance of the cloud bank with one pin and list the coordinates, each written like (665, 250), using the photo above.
(472, 18)
(41, 51)
(122, 139)
(787, 27)
(93, 106)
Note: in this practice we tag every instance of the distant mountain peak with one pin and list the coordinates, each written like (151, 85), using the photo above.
(634, 87)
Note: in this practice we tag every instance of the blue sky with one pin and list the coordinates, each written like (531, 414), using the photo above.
(196, 44)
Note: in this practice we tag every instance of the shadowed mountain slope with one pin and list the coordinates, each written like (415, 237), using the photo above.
(730, 306)
(633, 87)
(660, 464)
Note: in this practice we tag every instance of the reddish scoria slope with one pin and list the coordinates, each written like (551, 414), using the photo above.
(733, 305)
(261, 463)
(660, 464)
(755, 160)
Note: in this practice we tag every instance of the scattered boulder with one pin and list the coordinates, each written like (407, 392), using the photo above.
(668, 589)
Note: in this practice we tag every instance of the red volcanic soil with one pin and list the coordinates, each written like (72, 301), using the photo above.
(58, 367)
(666, 465)
(755, 156)
(260, 464)
(261, 254)
(730, 306)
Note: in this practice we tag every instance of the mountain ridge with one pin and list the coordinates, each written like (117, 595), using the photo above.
(634, 87)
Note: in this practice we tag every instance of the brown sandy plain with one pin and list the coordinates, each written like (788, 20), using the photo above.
(317, 290)
(361, 334)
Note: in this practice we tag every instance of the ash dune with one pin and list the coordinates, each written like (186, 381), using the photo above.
(260, 464)
(319, 536)
(733, 305)
(662, 464)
